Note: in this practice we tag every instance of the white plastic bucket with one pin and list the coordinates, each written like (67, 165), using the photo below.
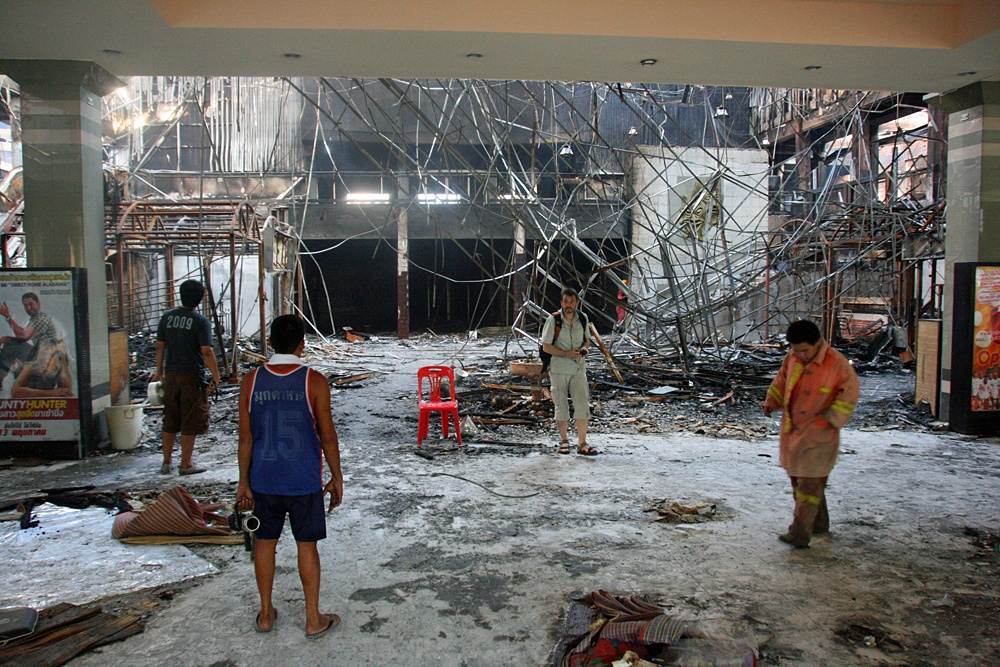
(124, 425)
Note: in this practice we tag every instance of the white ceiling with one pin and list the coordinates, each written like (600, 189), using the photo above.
(901, 45)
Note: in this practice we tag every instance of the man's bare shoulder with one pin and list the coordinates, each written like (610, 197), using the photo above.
(317, 379)
(248, 378)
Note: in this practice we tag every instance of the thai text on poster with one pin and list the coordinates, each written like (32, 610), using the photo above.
(39, 399)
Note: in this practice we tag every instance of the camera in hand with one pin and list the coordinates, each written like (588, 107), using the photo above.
(583, 351)
(246, 523)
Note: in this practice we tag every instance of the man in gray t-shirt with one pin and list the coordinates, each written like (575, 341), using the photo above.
(183, 351)
(22, 346)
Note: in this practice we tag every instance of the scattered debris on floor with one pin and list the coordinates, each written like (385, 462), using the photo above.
(985, 541)
(601, 629)
(674, 512)
(64, 631)
(868, 633)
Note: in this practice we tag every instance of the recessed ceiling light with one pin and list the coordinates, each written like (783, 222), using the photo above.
(647, 62)
(812, 68)
(473, 55)
(111, 52)
(966, 73)
(292, 56)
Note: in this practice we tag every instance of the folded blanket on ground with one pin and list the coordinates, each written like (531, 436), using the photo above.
(175, 512)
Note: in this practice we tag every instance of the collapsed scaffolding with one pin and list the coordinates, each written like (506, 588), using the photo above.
(152, 249)
(707, 271)
(708, 234)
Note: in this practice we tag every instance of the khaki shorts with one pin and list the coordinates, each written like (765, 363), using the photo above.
(185, 405)
(573, 386)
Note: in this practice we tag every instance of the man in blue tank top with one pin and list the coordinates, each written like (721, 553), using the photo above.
(286, 429)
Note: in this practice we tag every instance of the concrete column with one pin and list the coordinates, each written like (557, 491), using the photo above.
(64, 184)
(973, 187)
(402, 275)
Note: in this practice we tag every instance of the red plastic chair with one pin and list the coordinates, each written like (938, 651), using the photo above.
(448, 407)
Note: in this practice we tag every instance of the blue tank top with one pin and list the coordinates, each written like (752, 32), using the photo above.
(287, 456)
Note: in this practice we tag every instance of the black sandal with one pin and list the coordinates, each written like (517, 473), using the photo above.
(586, 450)
(564, 447)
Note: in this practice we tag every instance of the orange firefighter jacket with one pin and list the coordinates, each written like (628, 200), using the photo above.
(816, 401)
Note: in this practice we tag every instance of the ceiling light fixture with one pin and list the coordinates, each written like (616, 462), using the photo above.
(632, 131)
(292, 56)
(970, 73)
(647, 62)
(566, 150)
(473, 55)
(722, 112)
(812, 68)
(111, 52)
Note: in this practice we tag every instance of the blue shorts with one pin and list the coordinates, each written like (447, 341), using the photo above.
(304, 512)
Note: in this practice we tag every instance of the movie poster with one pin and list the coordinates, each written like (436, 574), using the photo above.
(986, 337)
(39, 399)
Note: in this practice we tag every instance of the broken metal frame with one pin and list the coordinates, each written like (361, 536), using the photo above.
(222, 229)
(424, 125)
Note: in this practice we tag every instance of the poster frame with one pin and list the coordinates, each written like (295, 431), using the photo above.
(83, 445)
(962, 418)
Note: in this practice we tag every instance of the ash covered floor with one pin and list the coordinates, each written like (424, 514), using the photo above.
(427, 567)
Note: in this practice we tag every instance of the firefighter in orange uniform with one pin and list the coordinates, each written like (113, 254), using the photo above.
(816, 390)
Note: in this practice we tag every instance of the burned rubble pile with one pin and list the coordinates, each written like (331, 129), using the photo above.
(714, 390)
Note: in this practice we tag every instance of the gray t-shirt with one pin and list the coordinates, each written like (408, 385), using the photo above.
(185, 332)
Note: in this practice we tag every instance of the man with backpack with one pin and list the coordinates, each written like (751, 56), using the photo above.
(566, 338)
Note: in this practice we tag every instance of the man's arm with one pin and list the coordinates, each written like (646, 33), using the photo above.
(776, 392)
(244, 497)
(21, 333)
(161, 348)
(847, 397)
(209, 354)
(319, 391)
(556, 352)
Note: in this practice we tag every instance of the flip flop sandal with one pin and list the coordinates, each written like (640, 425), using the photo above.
(586, 450)
(256, 622)
(564, 447)
(334, 622)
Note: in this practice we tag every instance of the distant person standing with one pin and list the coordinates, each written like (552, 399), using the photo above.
(286, 429)
(566, 338)
(622, 302)
(817, 390)
(183, 350)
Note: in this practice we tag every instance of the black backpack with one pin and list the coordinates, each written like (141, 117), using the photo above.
(545, 356)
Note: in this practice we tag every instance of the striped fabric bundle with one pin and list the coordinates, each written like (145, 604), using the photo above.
(623, 623)
(175, 512)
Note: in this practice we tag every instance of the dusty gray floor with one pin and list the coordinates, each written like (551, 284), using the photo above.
(427, 569)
